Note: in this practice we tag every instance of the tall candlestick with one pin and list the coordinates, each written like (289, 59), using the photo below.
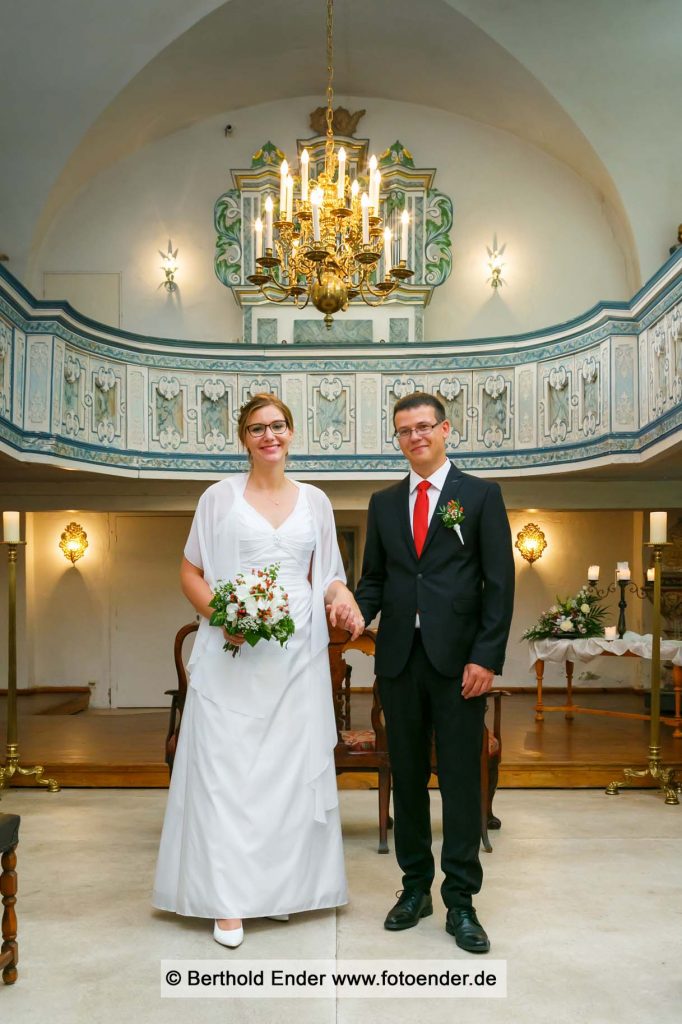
(290, 198)
(316, 200)
(268, 223)
(259, 237)
(404, 221)
(10, 527)
(304, 175)
(658, 527)
(341, 182)
(283, 172)
(364, 202)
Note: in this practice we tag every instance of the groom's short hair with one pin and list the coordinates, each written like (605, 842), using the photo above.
(418, 398)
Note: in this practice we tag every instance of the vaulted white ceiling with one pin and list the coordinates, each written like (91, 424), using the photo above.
(596, 85)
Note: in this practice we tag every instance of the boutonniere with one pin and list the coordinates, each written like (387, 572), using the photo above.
(452, 515)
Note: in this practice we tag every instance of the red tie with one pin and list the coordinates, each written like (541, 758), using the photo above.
(420, 522)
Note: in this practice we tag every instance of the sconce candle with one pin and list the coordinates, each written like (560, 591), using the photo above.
(650, 575)
(658, 527)
(593, 573)
(10, 527)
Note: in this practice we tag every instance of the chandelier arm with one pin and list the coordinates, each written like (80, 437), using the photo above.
(273, 298)
(364, 284)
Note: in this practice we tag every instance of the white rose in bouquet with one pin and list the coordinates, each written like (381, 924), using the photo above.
(566, 625)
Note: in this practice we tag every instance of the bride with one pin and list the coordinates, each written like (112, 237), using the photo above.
(252, 824)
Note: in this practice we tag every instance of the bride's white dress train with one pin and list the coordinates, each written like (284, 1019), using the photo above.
(252, 822)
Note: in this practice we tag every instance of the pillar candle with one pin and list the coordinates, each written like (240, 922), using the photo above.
(10, 527)
(610, 633)
(651, 575)
(593, 573)
(658, 527)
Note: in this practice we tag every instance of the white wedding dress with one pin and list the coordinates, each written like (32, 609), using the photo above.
(252, 822)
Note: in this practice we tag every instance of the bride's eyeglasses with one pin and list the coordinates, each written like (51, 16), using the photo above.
(258, 429)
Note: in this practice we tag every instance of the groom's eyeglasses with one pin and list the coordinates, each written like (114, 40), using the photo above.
(258, 429)
(421, 430)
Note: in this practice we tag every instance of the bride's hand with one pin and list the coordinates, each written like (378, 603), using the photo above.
(345, 614)
(233, 638)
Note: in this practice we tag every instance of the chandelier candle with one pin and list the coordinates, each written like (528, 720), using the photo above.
(259, 238)
(268, 224)
(304, 175)
(341, 183)
(364, 202)
(283, 171)
(290, 198)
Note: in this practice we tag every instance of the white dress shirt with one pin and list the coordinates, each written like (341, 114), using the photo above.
(437, 481)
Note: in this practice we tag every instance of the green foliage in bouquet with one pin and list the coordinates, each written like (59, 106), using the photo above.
(573, 618)
(254, 606)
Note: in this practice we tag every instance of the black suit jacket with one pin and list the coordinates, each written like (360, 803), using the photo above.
(464, 592)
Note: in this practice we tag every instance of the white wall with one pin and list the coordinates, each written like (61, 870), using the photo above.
(561, 255)
(75, 615)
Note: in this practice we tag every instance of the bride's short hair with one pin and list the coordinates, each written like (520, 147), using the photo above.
(259, 401)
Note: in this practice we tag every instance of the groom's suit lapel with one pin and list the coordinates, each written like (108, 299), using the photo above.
(450, 489)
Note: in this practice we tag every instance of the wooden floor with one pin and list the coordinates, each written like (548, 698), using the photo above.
(124, 748)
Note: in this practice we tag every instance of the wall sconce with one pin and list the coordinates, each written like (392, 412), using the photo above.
(531, 542)
(73, 542)
(496, 263)
(169, 266)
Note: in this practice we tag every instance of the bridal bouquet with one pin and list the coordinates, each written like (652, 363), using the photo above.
(254, 606)
(580, 616)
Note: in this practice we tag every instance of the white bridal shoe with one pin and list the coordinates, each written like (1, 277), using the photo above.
(232, 938)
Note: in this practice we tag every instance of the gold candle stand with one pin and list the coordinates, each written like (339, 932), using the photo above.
(12, 766)
(660, 773)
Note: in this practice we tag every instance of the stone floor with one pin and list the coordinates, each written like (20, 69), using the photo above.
(582, 898)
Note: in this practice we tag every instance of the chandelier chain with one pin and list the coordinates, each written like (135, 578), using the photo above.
(329, 149)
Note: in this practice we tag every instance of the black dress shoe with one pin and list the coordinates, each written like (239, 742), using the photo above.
(467, 930)
(412, 904)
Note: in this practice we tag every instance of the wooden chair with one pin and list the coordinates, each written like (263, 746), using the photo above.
(9, 951)
(177, 696)
(367, 749)
(360, 750)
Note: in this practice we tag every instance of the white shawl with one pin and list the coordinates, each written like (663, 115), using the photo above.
(213, 546)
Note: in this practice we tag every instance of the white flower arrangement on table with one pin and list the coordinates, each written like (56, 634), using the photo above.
(254, 605)
(576, 617)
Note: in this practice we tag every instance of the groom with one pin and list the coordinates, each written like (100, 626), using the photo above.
(445, 593)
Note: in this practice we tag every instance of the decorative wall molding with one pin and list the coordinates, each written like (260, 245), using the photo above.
(604, 388)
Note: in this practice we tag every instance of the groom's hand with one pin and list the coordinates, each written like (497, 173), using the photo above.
(343, 614)
(476, 680)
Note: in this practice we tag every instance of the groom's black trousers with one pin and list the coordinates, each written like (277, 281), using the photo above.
(418, 703)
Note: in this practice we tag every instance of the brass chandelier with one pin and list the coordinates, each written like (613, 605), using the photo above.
(326, 247)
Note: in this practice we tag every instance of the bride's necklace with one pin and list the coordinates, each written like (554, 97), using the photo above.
(259, 490)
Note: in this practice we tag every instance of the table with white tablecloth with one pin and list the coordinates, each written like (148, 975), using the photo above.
(632, 645)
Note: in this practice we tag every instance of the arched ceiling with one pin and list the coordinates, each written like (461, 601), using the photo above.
(90, 82)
